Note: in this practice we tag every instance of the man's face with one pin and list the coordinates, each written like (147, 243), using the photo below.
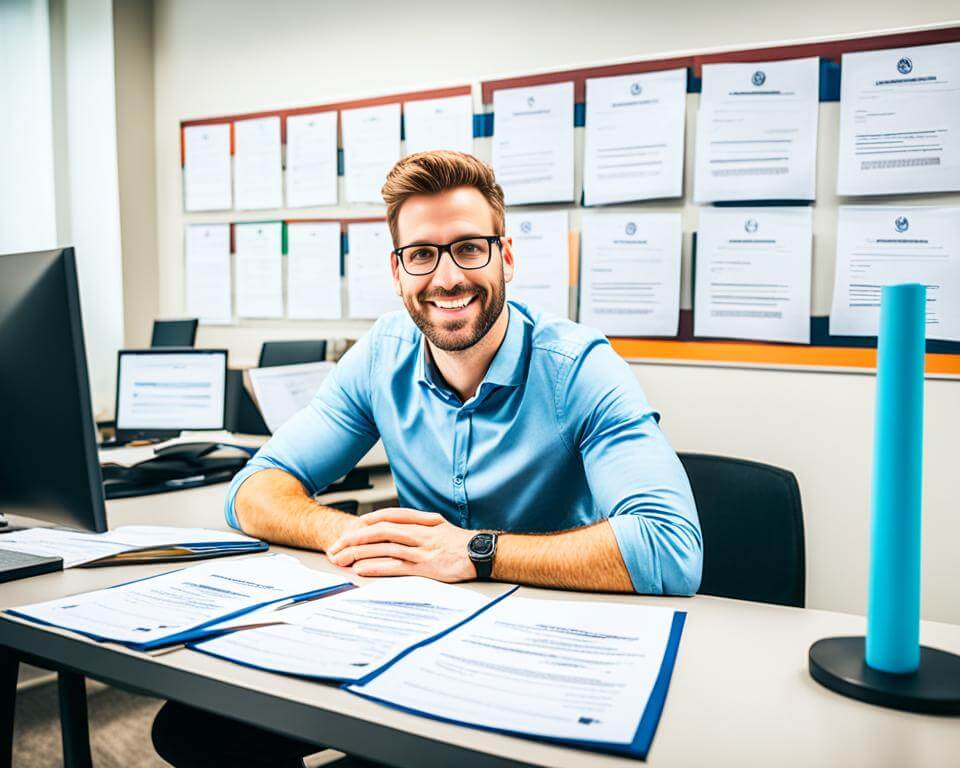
(452, 215)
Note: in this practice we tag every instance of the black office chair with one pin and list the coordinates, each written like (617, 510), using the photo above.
(242, 414)
(174, 333)
(292, 352)
(752, 524)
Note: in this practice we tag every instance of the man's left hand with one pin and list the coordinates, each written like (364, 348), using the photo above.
(405, 542)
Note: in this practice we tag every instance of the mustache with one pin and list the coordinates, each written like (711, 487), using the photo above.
(457, 292)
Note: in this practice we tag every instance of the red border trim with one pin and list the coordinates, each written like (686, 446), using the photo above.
(283, 114)
(830, 49)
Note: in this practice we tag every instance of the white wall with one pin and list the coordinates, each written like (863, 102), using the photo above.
(229, 56)
(27, 201)
(58, 157)
(91, 165)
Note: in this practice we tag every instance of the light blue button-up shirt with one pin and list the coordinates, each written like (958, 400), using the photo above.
(558, 435)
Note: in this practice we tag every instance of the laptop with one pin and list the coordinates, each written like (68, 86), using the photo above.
(163, 391)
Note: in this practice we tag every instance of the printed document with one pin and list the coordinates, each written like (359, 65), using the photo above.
(634, 137)
(350, 634)
(79, 548)
(258, 172)
(630, 273)
(577, 670)
(891, 245)
(541, 247)
(439, 124)
(757, 131)
(170, 607)
(312, 160)
(313, 271)
(369, 280)
(208, 295)
(533, 143)
(206, 167)
(371, 147)
(753, 274)
(900, 121)
(282, 390)
(259, 269)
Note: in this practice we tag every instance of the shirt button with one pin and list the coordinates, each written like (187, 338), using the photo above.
(458, 480)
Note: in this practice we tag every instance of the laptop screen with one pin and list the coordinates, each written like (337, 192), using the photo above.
(176, 390)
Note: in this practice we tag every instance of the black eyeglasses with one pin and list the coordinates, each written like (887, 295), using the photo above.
(469, 253)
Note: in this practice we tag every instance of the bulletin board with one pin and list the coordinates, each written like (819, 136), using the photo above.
(825, 352)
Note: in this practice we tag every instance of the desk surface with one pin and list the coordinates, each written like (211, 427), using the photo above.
(740, 695)
(374, 458)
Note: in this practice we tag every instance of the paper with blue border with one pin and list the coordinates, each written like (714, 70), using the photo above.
(646, 715)
(387, 619)
(290, 580)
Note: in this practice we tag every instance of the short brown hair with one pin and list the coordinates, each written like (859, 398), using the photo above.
(430, 173)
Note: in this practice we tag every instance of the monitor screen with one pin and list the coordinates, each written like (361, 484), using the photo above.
(175, 390)
(49, 470)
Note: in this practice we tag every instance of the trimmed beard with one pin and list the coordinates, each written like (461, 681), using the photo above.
(442, 335)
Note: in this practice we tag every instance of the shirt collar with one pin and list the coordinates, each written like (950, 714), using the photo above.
(506, 368)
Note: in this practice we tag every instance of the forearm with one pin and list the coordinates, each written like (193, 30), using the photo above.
(583, 559)
(274, 506)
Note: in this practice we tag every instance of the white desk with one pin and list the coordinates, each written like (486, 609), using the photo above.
(740, 695)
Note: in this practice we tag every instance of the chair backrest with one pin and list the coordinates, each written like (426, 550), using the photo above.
(752, 524)
(242, 414)
(174, 333)
(292, 352)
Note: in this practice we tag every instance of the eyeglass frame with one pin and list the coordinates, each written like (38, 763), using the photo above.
(491, 239)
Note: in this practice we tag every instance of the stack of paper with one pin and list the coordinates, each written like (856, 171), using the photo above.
(589, 674)
(349, 635)
(129, 543)
(175, 607)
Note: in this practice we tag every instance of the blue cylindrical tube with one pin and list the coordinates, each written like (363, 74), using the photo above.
(893, 606)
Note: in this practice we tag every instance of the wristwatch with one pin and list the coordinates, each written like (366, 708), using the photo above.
(481, 549)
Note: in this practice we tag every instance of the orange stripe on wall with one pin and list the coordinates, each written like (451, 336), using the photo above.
(573, 239)
(766, 354)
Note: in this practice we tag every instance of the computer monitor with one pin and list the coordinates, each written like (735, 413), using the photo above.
(161, 392)
(49, 469)
(174, 333)
(274, 353)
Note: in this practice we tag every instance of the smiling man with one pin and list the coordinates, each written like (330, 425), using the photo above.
(521, 444)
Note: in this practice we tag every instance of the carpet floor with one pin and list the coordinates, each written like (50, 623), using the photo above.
(120, 725)
(119, 728)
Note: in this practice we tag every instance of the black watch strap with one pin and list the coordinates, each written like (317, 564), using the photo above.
(484, 569)
(482, 549)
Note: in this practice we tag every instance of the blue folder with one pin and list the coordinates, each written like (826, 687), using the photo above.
(642, 738)
(191, 633)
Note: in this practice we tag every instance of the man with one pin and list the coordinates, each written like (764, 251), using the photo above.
(522, 446)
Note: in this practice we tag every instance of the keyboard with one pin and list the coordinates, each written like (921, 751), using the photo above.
(19, 565)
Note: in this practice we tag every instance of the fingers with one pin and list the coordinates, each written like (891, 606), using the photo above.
(385, 566)
(350, 555)
(371, 534)
(402, 515)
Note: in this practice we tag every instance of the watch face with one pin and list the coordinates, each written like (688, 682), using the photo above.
(481, 545)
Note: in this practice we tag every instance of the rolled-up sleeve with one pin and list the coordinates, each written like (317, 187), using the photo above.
(326, 439)
(634, 475)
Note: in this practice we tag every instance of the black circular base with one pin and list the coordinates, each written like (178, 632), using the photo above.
(934, 689)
